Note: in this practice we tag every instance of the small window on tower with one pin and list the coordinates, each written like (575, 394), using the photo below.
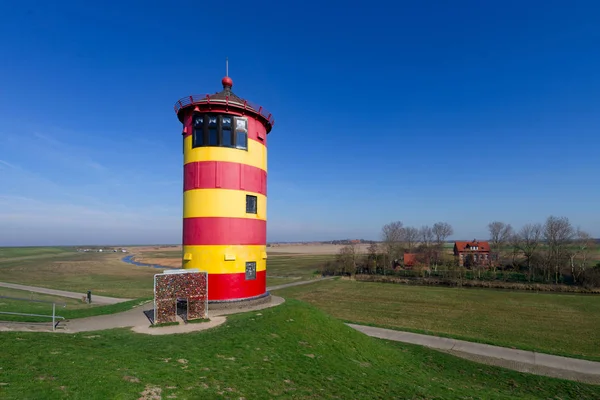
(250, 270)
(251, 205)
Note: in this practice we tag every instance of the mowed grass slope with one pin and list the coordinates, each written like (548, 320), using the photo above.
(291, 351)
(552, 323)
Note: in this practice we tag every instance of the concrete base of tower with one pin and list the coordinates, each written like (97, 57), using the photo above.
(241, 304)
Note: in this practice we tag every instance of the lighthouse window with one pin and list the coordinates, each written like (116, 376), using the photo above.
(220, 131)
(227, 138)
(241, 140)
(250, 270)
(251, 204)
(213, 137)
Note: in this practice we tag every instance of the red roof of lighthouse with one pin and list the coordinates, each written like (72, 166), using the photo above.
(228, 98)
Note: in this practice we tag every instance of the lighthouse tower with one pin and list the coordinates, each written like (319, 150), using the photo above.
(225, 192)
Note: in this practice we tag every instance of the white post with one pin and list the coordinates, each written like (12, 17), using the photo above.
(53, 314)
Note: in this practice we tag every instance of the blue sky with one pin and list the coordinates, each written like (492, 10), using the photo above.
(465, 112)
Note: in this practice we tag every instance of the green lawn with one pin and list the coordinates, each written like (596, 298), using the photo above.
(65, 307)
(552, 323)
(291, 351)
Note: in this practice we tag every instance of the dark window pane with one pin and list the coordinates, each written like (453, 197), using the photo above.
(198, 139)
(241, 140)
(212, 120)
(227, 121)
(250, 270)
(198, 121)
(227, 138)
(213, 138)
(251, 204)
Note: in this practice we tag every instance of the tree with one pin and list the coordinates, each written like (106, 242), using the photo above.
(373, 257)
(528, 240)
(558, 233)
(441, 231)
(500, 234)
(347, 258)
(411, 236)
(583, 247)
(393, 237)
(426, 236)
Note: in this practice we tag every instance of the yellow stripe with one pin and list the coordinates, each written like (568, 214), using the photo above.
(255, 156)
(221, 203)
(213, 258)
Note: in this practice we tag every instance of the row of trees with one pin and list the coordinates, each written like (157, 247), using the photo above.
(554, 251)
(546, 249)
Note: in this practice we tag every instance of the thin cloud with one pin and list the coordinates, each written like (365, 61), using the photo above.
(9, 165)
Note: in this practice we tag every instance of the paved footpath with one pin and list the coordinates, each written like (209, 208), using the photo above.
(519, 360)
(286, 285)
(62, 293)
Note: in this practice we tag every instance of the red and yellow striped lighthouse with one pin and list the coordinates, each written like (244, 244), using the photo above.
(225, 192)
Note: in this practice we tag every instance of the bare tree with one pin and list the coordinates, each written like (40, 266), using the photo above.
(347, 259)
(373, 257)
(528, 241)
(411, 236)
(426, 236)
(558, 233)
(441, 231)
(393, 238)
(580, 256)
(500, 234)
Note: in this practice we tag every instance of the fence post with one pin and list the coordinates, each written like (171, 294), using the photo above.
(53, 316)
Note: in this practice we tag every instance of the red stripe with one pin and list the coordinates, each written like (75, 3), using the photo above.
(225, 175)
(235, 286)
(206, 231)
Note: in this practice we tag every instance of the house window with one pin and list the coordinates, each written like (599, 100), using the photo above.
(219, 130)
(251, 205)
(250, 270)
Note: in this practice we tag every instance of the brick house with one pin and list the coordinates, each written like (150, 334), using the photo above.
(480, 252)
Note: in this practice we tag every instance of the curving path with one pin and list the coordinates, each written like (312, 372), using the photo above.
(518, 360)
(63, 293)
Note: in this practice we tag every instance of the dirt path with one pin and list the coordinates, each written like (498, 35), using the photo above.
(63, 293)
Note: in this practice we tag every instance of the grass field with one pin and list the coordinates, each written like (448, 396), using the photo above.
(552, 323)
(103, 274)
(12, 252)
(292, 351)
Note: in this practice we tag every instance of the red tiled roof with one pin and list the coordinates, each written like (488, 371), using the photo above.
(464, 246)
(410, 259)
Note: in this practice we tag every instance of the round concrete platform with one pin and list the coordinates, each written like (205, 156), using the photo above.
(239, 304)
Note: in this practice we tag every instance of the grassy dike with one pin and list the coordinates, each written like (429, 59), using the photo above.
(291, 351)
